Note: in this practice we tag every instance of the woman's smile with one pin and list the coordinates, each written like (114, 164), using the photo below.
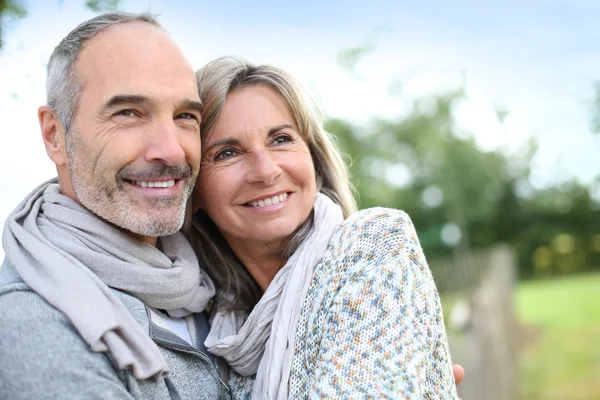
(268, 203)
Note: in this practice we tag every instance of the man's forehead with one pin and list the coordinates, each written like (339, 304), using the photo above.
(124, 33)
(132, 45)
(136, 59)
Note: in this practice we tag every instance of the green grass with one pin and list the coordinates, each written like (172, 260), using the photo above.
(560, 358)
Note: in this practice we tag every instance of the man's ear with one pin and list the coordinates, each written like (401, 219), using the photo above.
(53, 134)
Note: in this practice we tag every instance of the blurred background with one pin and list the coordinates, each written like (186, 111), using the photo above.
(482, 121)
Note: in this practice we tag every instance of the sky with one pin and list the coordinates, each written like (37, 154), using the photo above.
(538, 60)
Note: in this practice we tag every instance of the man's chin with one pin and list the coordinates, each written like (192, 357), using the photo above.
(147, 226)
(143, 217)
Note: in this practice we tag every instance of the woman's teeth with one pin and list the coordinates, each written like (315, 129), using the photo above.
(269, 201)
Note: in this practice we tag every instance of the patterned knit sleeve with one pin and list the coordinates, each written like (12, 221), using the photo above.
(240, 387)
(372, 323)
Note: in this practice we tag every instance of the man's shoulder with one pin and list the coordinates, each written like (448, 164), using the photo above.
(31, 326)
(23, 308)
(19, 303)
(45, 351)
(9, 278)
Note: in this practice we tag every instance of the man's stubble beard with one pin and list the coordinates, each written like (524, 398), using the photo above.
(108, 199)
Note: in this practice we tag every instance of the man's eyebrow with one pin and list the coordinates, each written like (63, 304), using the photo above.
(120, 100)
(132, 99)
(191, 105)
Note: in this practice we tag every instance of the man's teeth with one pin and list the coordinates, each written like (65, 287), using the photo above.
(150, 184)
(269, 201)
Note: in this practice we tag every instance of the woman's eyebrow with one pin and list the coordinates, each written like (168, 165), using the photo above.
(277, 128)
(222, 142)
(233, 141)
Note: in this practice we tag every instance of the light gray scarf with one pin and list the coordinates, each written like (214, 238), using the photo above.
(71, 257)
(264, 343)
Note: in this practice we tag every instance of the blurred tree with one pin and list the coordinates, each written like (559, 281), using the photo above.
(596, 109)
(101, 6)
(461, 197)
(348, 58)
(418, 163)
(558, 231)
(11, 10)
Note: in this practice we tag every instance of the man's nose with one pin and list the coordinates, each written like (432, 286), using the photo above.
(165, 144)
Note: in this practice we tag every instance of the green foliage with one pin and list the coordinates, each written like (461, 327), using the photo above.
(560, 232)
(595, 123)
(421, 164)
(100, 6)
(347, 59)
(14, 9)
(10, 10)
(561, 324)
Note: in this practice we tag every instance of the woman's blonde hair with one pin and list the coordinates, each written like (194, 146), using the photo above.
(236, 287)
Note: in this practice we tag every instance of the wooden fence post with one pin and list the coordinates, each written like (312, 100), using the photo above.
(487, 346)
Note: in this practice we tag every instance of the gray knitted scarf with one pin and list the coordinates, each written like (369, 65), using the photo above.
(71, 258)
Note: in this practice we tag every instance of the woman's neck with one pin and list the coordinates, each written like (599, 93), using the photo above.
(262, 262)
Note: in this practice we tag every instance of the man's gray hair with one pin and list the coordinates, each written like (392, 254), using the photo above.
(63, 86)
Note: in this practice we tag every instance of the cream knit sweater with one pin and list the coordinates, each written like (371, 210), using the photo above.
(371, 324)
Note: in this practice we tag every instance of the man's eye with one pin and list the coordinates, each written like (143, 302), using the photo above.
(225, 154)
(126, 113)
(187, 116)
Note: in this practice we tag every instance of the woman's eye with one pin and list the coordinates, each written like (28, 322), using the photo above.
(282, 139)
(225, 154)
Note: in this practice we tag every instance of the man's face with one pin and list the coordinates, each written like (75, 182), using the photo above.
(134, 147)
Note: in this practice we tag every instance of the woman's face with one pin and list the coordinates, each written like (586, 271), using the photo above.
(257, 180)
